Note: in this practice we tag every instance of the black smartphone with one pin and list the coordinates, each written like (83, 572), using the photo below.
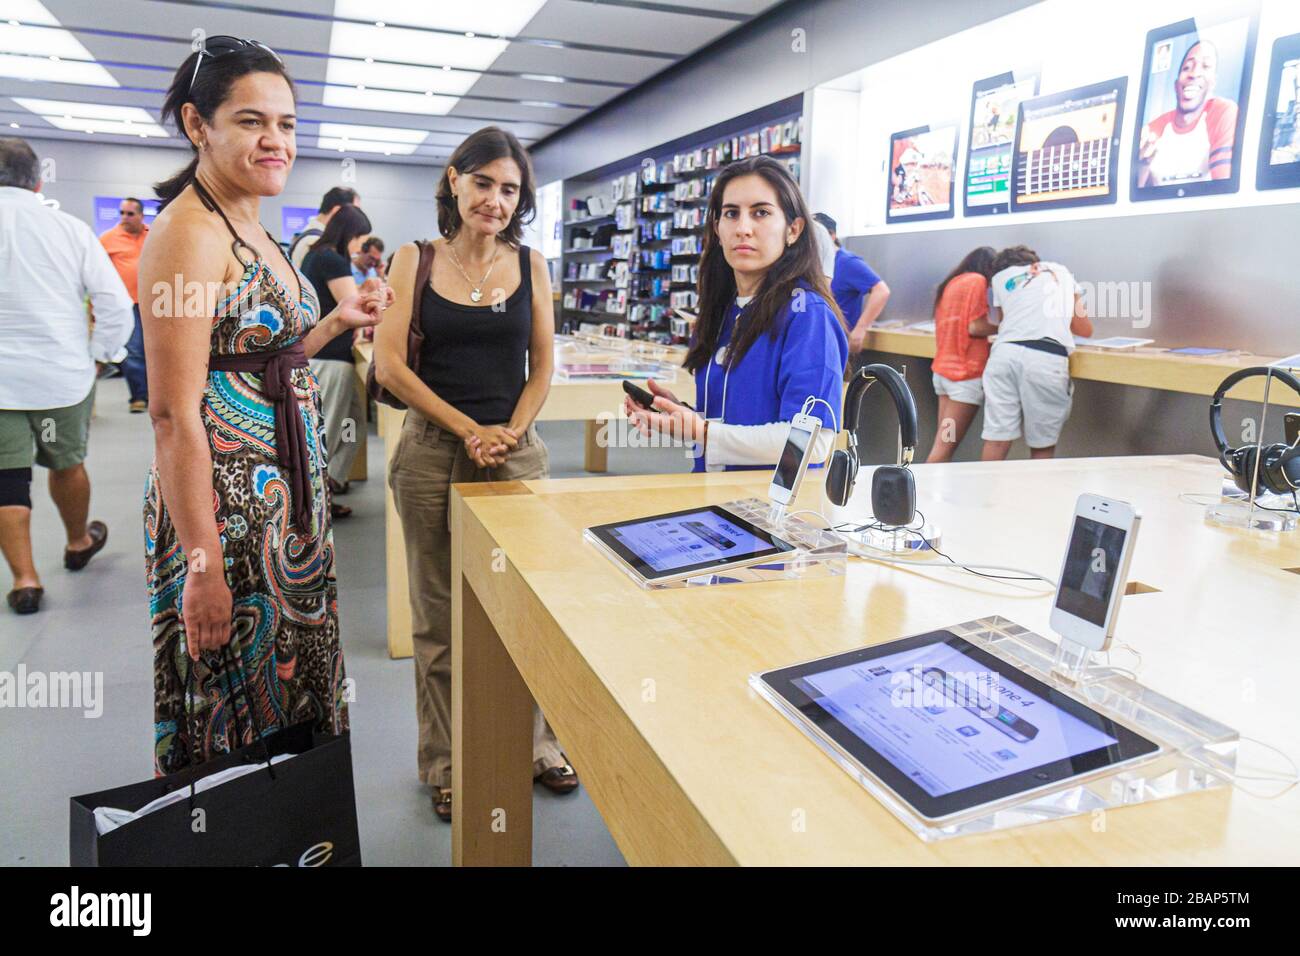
(639, 395)
(1292, 421)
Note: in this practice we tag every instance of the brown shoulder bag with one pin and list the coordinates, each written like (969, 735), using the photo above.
(414, 335)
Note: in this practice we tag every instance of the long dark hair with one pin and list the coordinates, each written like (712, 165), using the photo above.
(799, 264)
(977, 260)
(480, 148)
(346, 224)
(211, 86)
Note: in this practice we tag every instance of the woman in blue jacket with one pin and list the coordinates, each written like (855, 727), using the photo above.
(769, 335)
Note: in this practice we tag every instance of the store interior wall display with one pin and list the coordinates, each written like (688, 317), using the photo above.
(800, 433)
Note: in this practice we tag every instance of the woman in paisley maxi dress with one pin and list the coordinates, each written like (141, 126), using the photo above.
(238, 546)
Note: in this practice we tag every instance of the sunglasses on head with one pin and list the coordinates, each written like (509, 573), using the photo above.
(219, 46)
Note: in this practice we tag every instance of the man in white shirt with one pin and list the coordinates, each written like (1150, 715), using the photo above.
(50, 263)
(329, 205)
(1037, 310)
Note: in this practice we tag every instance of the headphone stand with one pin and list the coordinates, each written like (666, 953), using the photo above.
(1265, 512)
(895, 541)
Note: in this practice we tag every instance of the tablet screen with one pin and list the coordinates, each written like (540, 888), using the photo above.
(698, 539)
(948, 726)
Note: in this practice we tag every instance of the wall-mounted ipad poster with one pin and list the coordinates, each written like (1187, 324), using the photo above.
(1279, 143)
(1067, 147)
(994, 111)
(921, 166)
(1195, 85)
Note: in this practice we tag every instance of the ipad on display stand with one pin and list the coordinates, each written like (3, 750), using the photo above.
(668, 548)
(1279, 149)
(947, 729)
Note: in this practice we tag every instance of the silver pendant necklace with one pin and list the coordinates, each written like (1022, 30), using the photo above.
(475, 291)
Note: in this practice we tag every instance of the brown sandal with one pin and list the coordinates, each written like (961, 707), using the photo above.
(76, 560)
(26, 600)
(442, 804)
(561, 779)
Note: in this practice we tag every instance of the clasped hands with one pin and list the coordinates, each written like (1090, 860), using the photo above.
(488, 446)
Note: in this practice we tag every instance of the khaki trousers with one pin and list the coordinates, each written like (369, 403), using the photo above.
(424, 465)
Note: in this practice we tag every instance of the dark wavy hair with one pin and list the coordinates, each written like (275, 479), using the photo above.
(1014, 256)
(211, 87)
(977, 260)
(480, 148)
(346, 224)
(799, 264)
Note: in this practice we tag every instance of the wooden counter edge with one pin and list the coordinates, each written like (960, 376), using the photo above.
(622, 773)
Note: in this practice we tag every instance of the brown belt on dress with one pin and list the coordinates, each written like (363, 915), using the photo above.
(276, 369)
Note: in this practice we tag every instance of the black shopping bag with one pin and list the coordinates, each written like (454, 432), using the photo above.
(298, 812)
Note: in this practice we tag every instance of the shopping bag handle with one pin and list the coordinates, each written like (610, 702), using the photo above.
(229, 662)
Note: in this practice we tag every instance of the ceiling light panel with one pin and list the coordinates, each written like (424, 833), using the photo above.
(370, 139)
(48, 52)
(433, 87)
(96, 117)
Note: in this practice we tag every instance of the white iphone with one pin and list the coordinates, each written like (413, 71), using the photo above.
(1095, 571)
(794, 459)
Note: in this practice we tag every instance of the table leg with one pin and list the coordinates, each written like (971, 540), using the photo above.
(595, 455)
(492, 742)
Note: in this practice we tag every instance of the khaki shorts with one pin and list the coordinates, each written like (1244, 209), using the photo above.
(54, 438)
(1023, 385)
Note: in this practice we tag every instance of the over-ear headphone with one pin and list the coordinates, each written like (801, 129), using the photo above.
(1279, 465)
(893, 487)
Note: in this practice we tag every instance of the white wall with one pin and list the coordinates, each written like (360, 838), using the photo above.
(397, 198)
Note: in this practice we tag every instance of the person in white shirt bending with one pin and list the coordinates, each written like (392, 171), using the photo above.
(1037, 310)
(49, 263)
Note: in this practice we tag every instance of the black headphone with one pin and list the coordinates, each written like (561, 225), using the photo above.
(1279, 469)
(893, 487)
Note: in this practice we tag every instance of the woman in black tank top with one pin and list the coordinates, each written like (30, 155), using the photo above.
(484, 372)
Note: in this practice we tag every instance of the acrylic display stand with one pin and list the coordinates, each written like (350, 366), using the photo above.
(1197, 753)
(1268, 512)
(910, 540)
(819, 553)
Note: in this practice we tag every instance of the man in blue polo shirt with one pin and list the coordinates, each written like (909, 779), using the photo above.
(858, 291)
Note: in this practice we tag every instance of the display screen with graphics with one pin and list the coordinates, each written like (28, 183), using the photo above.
(1195, 82)
(1067, 147)
(1279, 143)
(1091, 567)
(946, 725)
(921, 174)
(995, 109)
(696, 540)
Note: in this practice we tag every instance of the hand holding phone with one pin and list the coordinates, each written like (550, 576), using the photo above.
(639, 395)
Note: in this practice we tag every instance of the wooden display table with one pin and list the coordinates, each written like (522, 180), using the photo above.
(647, 692)
(1144, 367)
